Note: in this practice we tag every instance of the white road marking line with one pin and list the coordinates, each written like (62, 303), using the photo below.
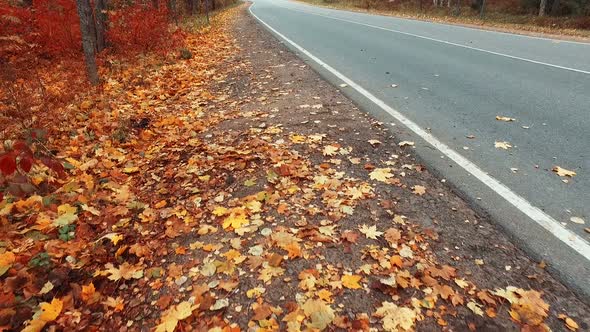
(442, 41)
(573, 240)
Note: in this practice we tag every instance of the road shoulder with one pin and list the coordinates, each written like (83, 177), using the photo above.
(462, 235)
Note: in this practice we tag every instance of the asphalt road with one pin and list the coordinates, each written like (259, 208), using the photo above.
(451, 83)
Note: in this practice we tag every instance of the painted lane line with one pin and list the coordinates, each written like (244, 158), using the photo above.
(441, 41)
(571, 239)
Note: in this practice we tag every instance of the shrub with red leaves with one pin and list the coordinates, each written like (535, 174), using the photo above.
(139, 28)
(17, 161)
(49, 28)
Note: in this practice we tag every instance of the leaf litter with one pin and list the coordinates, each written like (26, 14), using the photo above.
(168, 235)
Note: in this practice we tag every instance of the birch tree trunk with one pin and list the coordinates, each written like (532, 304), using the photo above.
(87, 30)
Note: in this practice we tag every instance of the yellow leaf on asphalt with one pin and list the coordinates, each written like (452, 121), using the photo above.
(504, 118)
(502, 145)
(370, 232)
(320, 314)
(563, 172)
(475, 307)
(381, 174)
(569, 323)
(394, 318)
(351, 281)
(419, 190)
(330, 150)
(461, 283)
(236, 219)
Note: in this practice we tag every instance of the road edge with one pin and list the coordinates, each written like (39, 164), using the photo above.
(565, 264)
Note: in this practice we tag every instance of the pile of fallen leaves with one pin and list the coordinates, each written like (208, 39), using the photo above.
(168, 219)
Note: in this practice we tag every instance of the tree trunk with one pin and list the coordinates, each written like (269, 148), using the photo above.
(555, 7)
(88, 35)
(172, 10)
(457, 7)
(100, 14)
(482, 8)
(542, 6)
(189, 7)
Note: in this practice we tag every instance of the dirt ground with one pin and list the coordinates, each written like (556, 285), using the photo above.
(281, 90)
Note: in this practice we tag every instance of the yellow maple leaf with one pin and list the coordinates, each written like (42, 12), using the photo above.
(527, 305)
(172, 316)
(394, 318)
(254, 206)
(6, 261)
(381, 174)
(320, 313)
(219, 211)
(125, 271)
(50, 311)
(295, 138)
(236, 219)
(351, 281)
(330, 150)
(370, 232)
(66, 214)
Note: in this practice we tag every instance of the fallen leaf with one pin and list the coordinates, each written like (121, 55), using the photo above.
(374, 142)
(569, 323)
(381, 174)
(320, 313)
(351, 281)
(503, 145)
(419, 190)
(563, 172)
(394, 318)
(370, 232)
(475, 307)
(504, 118)
(172, 316)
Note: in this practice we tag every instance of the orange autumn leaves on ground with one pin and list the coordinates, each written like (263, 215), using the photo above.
(167, 220)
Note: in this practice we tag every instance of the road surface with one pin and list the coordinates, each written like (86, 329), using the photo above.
(450, 84)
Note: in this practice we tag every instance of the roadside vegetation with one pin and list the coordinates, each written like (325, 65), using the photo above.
(556, 17)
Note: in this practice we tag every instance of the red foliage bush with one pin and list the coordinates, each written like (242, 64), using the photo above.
(49, 28)
(57, 26)
(139, 28)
